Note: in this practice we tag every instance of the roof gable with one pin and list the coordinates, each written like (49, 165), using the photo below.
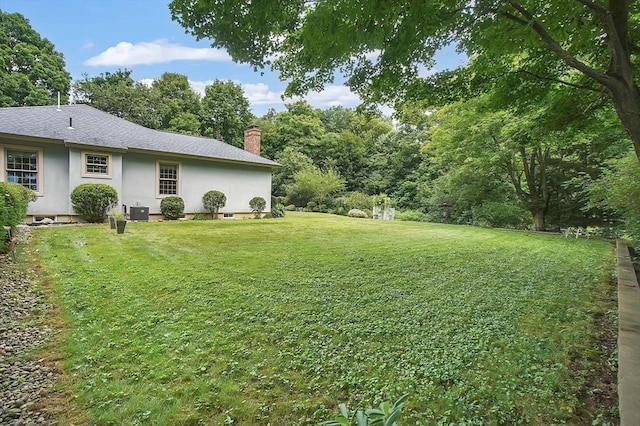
(85, 125)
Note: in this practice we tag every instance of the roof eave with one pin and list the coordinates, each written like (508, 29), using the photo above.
(200, 157)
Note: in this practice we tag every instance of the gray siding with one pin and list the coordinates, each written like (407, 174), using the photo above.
(238, 182)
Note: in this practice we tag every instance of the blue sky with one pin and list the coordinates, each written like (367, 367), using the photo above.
(97, 36)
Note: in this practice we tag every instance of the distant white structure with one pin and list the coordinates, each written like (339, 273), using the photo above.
(381, 213)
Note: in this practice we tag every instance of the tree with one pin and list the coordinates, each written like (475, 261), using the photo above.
(537, 156)
(299, 127)
(225, 112)
(31, 71)
(213, 201)
(179, 104)
(618, 191)
(118, 94)
(313, 184)
(382, 46)
(293, 161)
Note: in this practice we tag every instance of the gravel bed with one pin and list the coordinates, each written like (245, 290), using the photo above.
(24, 381)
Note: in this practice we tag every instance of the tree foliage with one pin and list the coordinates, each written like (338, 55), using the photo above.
(618, 191)
(313, 184)
(120, 95)
(32, 72)
(225, 112)
(382, 46)
(179, 104)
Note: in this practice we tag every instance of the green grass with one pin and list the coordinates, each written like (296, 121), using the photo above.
(278, 321)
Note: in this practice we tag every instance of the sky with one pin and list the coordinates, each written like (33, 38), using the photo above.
(97, 36)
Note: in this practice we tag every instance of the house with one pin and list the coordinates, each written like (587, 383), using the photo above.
(54, 149)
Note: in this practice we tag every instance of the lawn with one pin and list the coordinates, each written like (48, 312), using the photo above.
(278, 321)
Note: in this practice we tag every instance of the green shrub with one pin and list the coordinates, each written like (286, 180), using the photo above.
(277, 211)
(312, 206)
(357, 213)
(413, 216)
(358, 200)
(212, 201)
(92, 200)
(14, 199)
(257, 205)
(200, 216)
(340, 211)
(172, 207)
(290, 208)
(500, 215)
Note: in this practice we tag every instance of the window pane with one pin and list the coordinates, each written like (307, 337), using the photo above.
(168, 184)
(97, 164)
(22, 168)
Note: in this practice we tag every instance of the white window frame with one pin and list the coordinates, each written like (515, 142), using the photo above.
(178, 177)
(87, 174)
(39, 164)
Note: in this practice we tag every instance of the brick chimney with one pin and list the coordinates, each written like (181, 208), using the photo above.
(252, 139)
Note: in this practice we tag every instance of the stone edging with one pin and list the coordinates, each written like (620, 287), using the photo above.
(628, 338)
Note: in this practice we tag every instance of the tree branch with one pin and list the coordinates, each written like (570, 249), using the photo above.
(528, 20)
(556, 80)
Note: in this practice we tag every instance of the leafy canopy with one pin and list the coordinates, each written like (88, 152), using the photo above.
(383, 47)
(32, 72)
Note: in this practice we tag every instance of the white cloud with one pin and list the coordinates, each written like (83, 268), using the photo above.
(147, 81)
(257, 94)
(199, 86)
(155, 52)
(88, 45)
(332, 96)
(260, 95)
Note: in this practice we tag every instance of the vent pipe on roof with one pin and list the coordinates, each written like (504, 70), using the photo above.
(58, 101)
(70, 123)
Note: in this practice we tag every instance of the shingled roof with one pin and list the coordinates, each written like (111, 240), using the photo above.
(96, 128)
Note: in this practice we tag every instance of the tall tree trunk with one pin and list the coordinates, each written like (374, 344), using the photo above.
(626, 101)
(538, 218)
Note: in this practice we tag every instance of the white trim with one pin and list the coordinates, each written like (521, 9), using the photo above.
(86, 174)
(40, 164)
(178, 177)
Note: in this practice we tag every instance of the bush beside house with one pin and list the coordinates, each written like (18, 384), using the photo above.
(172, 207)
(257, 205)
(92, 200)
(213, 201)
(14, 199)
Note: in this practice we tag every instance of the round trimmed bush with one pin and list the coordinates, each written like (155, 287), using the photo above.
(257, 205)
(172, 207)
(212, 201)
(92, 200)
(357, 213)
